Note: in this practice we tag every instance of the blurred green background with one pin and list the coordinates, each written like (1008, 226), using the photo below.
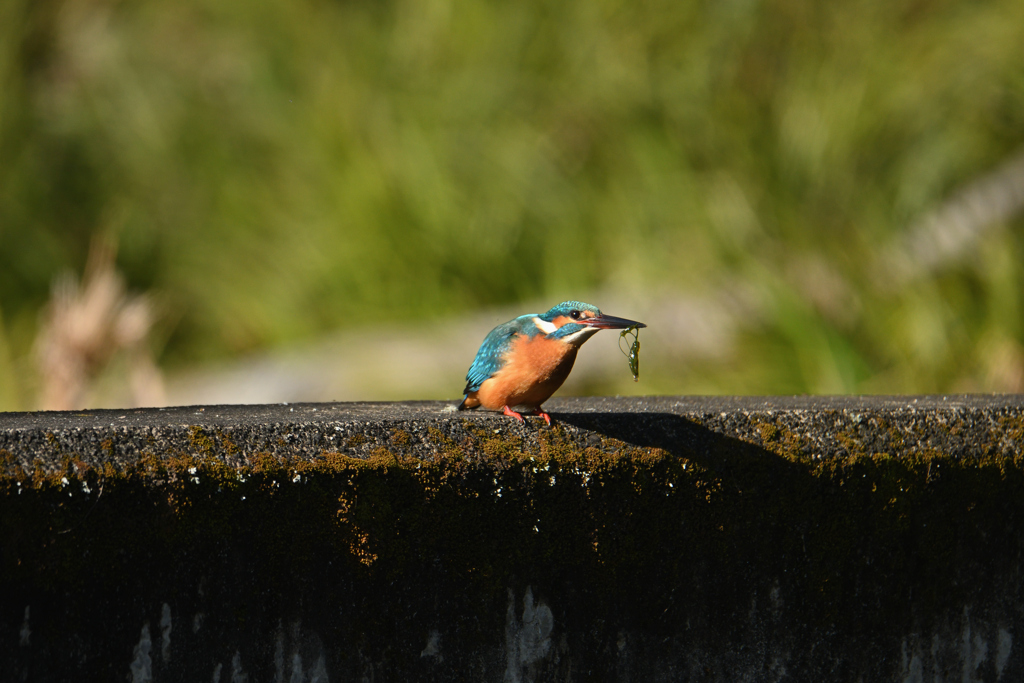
(841, 180)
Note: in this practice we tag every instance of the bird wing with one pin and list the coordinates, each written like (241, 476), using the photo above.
(491, 356)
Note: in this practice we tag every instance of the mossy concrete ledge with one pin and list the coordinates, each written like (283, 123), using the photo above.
(639, 539)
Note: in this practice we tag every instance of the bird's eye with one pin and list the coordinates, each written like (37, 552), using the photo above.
(575, 315)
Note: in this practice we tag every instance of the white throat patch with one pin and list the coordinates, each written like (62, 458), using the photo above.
(577, 338)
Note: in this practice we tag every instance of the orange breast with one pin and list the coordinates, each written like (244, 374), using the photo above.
(534, 370)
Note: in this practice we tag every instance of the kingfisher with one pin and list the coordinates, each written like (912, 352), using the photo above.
(522, 362)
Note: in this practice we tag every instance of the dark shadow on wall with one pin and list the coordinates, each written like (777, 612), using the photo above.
(840, 555)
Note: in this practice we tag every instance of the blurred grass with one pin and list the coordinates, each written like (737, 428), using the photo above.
(277, 170)
(9, 399)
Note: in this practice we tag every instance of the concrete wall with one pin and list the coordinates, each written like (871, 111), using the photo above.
(661, 539)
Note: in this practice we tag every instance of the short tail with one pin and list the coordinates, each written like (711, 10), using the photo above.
(469, 402)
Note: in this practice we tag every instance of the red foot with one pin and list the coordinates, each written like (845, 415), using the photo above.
(511, 413)
(547, 418)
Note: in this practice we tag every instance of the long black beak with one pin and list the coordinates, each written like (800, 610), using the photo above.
(609, 322)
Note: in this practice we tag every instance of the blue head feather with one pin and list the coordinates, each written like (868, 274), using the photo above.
(566, 308)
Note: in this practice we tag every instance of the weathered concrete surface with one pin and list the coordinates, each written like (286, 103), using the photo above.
(675, 539)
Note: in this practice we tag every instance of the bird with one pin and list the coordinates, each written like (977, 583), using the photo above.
(521, 363)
